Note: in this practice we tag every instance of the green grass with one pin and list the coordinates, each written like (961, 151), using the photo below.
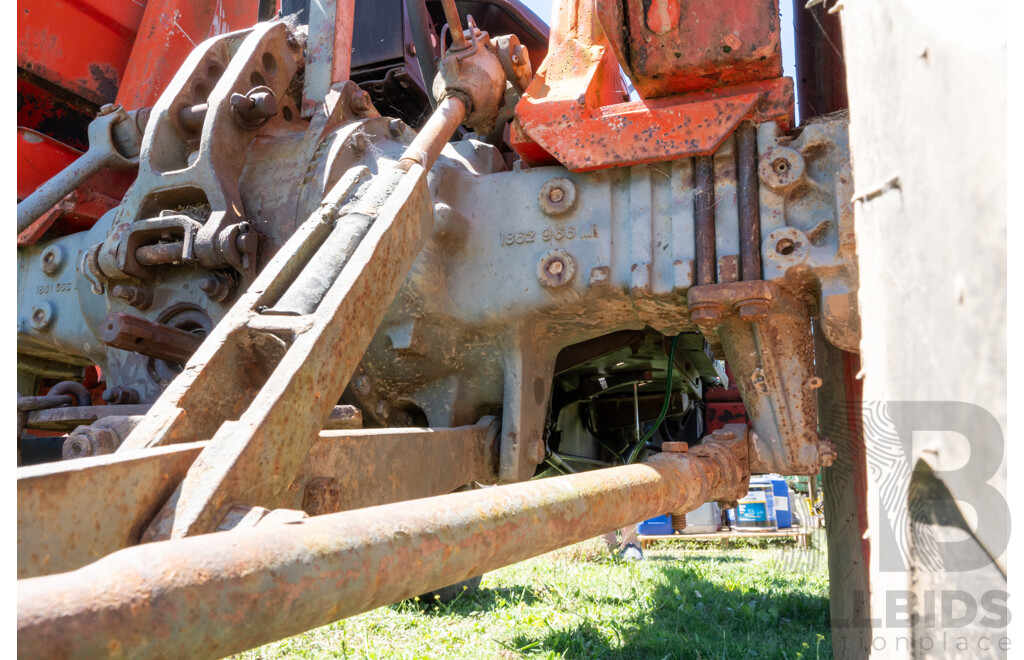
(683, 602)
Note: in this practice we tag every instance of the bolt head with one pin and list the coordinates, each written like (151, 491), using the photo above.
(556, 268)
(52, 259)
(361, 385)
(360, 100)
(706, 314)
(558, 196)
(42, 316)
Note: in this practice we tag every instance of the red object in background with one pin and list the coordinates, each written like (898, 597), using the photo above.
(678, 46)
(41, 157)
(170, 30)
(81, 46)
(76, 54)
(575, 112)
(724, 405)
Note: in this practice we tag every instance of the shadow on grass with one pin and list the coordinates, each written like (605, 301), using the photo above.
(688, 617)
(722, 559)
(475, 600)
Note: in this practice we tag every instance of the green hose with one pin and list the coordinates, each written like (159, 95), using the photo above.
(639, 449)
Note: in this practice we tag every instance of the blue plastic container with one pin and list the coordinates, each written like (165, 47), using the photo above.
(783, 510)
(660, 526)
(757, 509)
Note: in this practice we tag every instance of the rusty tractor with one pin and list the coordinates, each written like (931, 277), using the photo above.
(325, 259)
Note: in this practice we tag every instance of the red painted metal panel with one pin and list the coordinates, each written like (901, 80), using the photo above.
(40, 158)
(677, 46)
(169, 31)
(79, 45)
(573, 111)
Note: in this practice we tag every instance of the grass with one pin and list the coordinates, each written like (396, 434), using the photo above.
(685, 601)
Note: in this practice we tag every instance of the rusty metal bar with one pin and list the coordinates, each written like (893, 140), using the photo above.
(72, 513)
(136, 334)
(328, 50)
(66, 419)
(160, 254)
(46, 401)
(748, 202)
(704, 200)
(451, 12)
(223, 593)
(429, 142)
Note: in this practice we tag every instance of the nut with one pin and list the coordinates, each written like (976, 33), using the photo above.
(706, 314)
(136, 296)
(753, 309)
(217, 287)
(117, 396)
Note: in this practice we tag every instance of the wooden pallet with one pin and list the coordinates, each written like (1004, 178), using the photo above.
(803, 537)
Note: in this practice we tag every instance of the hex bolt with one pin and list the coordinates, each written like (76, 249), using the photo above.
(706, 314)
(359, 144)
(396, 127)
(137, 296)
(383, 409)
(216, 287)
(106, 109)
(722, 434)
(119, 396)
(556, 268)
(42, 316)
(53, 259)
(753, 309)
(557, 196)
(675, 447)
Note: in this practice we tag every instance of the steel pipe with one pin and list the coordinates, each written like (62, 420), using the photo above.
(451, 12)
(217, 594)
(429, 142)
(704, 202)
(748, 202)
